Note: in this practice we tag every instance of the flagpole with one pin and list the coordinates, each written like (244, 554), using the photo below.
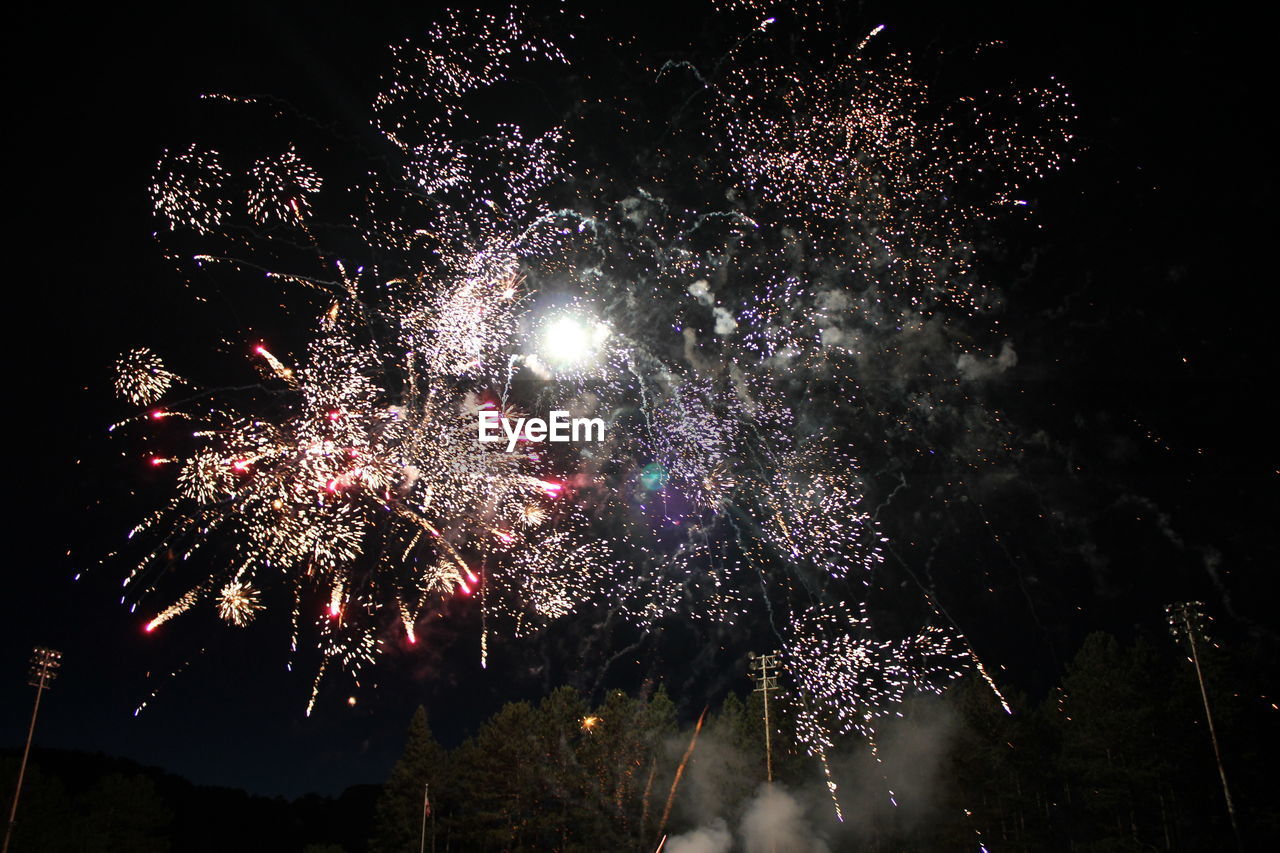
(422, 838)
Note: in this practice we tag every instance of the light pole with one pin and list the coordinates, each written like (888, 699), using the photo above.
(44, 668)
(1187, 620)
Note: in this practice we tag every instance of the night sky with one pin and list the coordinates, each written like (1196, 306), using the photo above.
(1141, 304)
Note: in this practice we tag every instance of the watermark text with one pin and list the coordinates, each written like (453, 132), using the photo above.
(557, 427)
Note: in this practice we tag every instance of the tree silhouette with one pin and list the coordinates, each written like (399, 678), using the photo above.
(399, 812)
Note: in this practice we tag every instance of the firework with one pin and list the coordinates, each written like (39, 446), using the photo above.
(238, 602)
(491, 268)
(141, 377)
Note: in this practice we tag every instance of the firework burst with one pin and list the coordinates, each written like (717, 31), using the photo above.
(490, 268)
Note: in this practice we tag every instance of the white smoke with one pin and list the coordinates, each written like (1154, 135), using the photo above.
(726, 323)
(975, 369)
(896, 791)
(775, 822)
(701, 291)
(706, 839)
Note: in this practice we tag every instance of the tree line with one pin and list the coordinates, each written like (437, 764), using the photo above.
(1116, 757)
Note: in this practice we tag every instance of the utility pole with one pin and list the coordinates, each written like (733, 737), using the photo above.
(44, 669)
(765, 668)
(1186, 619)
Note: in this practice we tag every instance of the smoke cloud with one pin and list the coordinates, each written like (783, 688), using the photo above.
(775, 822)
(975, 369)
(894, 796)
(708, 839)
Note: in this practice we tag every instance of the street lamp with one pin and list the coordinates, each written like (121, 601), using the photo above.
(44, 669)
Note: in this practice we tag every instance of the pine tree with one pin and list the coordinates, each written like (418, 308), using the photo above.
(399, 813)
(1125, 720)
(497, 775)
(996, 772)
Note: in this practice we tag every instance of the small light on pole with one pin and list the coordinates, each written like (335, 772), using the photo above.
(44, 669)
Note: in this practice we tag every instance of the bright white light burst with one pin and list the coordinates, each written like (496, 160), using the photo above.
(571, 341)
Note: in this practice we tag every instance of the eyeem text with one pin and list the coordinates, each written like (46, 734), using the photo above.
(557, 427)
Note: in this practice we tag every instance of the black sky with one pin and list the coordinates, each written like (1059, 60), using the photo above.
(1149, 305)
